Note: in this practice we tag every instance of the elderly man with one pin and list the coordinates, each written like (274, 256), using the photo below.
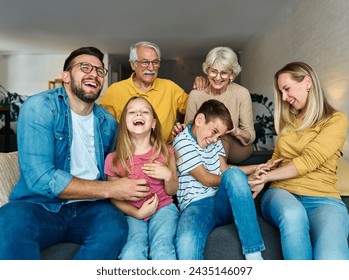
(166, 97)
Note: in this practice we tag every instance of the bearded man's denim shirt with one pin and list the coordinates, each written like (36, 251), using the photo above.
(44, 137)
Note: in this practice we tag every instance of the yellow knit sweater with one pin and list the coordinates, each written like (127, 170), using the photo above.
(314, 152)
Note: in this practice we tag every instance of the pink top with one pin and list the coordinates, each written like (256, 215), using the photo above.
(156, 185)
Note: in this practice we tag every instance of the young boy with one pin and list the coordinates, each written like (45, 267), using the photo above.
(211, 193)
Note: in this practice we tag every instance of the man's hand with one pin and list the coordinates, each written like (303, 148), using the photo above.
(200, 83)
(129, 189)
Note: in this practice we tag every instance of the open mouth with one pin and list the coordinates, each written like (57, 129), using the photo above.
(138, 122)
(90, 84)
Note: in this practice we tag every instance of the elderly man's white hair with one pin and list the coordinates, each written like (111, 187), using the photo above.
(133, 50)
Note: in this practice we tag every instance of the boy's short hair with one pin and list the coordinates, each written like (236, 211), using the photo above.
(214, 109)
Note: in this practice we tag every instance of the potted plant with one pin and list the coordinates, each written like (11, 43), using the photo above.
(264, 123)
(11, 100)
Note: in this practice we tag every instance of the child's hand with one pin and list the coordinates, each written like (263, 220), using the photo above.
(157, 170)
(256, 190)
(149, 207)
(257, 181)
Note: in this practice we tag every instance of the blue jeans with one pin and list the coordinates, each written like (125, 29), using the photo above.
(152, 239)
(310, 227)
(26, 228)
(232, 202)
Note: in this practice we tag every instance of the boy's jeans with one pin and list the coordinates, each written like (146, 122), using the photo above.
(200, 217)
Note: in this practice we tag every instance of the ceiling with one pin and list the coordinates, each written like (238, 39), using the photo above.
(181, 28)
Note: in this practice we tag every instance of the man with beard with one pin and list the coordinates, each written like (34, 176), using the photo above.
(61, 195)
(167, 98)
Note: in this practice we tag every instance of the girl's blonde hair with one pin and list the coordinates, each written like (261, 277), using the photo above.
(125, 148)
(317, 106)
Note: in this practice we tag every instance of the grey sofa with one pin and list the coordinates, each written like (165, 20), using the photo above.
(222, 244)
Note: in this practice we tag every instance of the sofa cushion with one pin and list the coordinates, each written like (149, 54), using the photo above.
(343, 177)
(9, 174)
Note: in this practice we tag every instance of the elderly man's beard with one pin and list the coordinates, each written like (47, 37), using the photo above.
(83, 95)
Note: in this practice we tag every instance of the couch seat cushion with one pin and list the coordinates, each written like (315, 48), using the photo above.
(9, 174)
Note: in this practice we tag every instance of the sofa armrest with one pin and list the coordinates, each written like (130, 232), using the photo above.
(9, 174)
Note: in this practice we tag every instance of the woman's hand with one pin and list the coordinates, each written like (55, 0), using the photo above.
(234, 132)
(269, 165)
(178, 128)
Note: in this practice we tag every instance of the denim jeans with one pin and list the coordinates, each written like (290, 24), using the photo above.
(26, 228)
(310, 227)
(232, 202)
(152, 239)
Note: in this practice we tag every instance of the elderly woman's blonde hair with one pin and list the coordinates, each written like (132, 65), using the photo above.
(224, 56)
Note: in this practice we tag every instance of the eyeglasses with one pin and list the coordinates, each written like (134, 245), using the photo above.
(87, 68)
(214, 73)
(145, 63)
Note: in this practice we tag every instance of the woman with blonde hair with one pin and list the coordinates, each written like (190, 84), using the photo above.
(303, 201)
(141, 153)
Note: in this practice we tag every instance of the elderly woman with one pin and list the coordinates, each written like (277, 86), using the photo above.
(222, 67)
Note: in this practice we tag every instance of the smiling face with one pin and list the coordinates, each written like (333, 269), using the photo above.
(146, 74)
(139, 117)
(207, 133)
(87, 87)
(294, 92)
(219, 77)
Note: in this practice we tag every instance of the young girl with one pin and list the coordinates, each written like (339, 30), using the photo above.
(141, 153)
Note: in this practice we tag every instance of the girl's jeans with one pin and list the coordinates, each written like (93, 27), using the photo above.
(232, 202)
(152, 239)
(310, 227)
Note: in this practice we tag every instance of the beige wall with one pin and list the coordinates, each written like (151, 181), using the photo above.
(316, 32)
(28, 74)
